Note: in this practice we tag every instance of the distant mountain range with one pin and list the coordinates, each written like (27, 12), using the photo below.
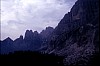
(32, 41)
(76, 37)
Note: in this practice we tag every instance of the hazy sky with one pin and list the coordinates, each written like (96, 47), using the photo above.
(19, 15)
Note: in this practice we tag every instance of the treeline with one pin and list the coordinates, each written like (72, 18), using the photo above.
(31, 58)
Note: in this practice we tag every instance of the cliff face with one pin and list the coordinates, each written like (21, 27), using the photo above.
(47, 32)
(33, 40)
(46, 36)
(77, 35)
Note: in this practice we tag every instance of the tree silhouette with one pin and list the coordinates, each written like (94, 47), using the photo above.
(32, 58)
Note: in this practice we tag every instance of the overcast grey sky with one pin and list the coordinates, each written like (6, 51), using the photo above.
(19, 15)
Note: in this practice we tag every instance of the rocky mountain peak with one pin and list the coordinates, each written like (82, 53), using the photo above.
(21, 37)
(28, 34)
(49, 28)
(47, 32)
(36, 33)
(8, 39)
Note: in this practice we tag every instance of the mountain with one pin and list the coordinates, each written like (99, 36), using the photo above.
(45, 34)
(77, 35)
(18, 44)
(6, 45)
(33, 41)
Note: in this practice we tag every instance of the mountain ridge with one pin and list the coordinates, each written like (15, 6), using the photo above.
(76, 37)
(32, 41)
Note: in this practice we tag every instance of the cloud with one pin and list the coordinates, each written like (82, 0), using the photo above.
(20, 15)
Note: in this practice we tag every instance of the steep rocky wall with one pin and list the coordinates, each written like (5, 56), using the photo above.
(77, 35)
